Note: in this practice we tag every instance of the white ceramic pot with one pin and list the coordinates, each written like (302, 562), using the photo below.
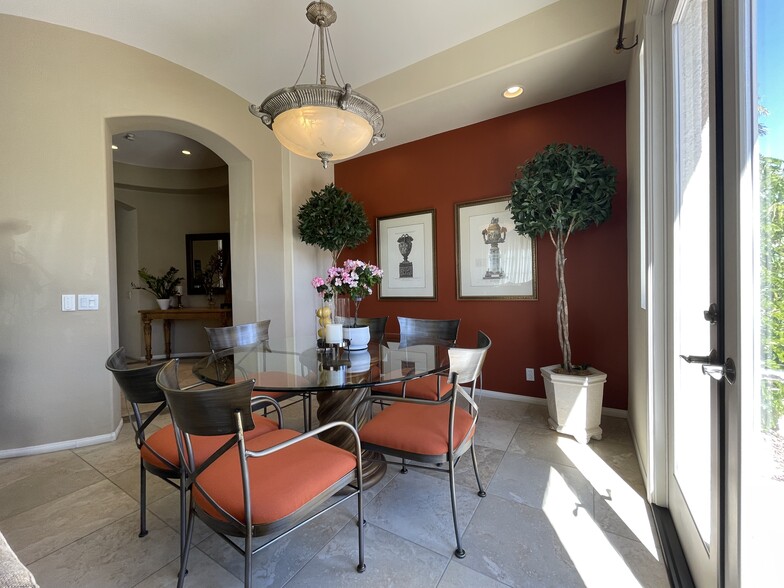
(575, 402)
(358, 337)
(359, 361)
(163, 303)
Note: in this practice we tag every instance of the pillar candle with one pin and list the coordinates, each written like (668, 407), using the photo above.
(334, 334)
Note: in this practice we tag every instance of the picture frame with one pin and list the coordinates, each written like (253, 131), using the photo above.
(493, 260)
(406, 247)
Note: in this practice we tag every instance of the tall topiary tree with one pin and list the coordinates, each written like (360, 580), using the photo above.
(560, 190)
(331, 220)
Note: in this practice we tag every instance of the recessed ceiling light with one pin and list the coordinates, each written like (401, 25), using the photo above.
(186, 152)
(115, 147)
(513, 91)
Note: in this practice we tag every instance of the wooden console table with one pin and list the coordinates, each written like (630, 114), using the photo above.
(222, 315)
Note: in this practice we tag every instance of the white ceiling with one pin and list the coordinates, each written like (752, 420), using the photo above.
(430, 65)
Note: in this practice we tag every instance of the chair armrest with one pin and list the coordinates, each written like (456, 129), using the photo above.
(258, 402)
(394, 399)
(313, 433)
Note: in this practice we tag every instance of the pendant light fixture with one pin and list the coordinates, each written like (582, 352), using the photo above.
(321, 121)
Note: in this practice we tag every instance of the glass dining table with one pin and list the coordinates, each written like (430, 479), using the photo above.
(340, 378)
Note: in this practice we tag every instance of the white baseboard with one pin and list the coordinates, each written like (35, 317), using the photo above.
(61, 445)
(613, 412)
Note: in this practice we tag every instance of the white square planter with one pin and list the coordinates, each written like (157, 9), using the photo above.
(575, 402)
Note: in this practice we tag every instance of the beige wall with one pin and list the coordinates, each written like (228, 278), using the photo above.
(637, 267)
(64, 93)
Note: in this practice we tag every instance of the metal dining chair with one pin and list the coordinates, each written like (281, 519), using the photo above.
(269, 485)
(138, 386)
(157, 446)
(433, 431)
(249, 335)
(414, 331)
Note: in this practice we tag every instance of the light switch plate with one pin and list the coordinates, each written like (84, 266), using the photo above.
(69, 302)
(88, 302)
(529, 374)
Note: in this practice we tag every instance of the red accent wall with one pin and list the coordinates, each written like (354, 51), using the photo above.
(480, 161)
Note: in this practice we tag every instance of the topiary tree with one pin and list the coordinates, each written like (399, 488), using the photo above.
(331, 220)
(562, 189)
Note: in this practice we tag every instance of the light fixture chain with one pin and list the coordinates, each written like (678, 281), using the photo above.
(307, 55)
(332, 55)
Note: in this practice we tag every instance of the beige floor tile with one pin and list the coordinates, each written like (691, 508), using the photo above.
(67, 474)
(459, 576)
(112, 458)
(51, 526)
(111, 556)
(14, 469)
(203, 572)
(157, 488)
(418, 508)
(390, 560)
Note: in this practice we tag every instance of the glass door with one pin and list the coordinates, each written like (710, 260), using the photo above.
(694, 323)
(760, 431)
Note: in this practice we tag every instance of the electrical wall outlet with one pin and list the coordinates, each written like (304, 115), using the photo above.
(529, 374)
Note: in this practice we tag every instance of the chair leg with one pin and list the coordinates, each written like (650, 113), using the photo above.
(183, 522)
(404, 469)
(481, 492)
(306, 412)
(248, 558)
(142, 500)
(459, 552)
(184, 557)
(361, 567)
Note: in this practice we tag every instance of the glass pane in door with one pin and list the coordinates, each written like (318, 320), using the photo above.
(762, 483)
(693, 261)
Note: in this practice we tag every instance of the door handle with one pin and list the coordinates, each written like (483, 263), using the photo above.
(719, 371)
(704, 359)
(711, 366)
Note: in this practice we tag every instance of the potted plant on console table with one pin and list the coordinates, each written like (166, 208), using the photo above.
(162, 287)
(560, 190)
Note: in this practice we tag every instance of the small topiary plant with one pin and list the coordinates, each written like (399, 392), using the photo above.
(332, 220)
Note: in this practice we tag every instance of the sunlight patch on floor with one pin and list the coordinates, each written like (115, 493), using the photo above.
(594, 558)
(617, 494)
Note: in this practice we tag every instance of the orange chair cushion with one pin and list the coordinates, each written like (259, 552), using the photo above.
(416, 428)
(425, 388)
(165, 444)
(280, 483)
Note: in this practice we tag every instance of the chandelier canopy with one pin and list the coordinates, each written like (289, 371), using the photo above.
(321, 121)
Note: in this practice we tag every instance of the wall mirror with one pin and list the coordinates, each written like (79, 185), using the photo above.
(208, 255)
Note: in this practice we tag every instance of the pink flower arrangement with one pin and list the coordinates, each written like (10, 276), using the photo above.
(354, 278)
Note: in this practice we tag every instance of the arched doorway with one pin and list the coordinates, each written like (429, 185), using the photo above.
(176, 189)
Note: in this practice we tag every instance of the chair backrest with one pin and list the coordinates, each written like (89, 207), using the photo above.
(208, 411)
(138, 384)
(467, 363)
(423, 330)
(237, 335)
(378, 324)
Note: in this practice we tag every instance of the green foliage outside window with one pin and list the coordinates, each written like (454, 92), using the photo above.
(772, 285)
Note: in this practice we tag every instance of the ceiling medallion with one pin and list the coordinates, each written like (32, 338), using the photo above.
(321, 121)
